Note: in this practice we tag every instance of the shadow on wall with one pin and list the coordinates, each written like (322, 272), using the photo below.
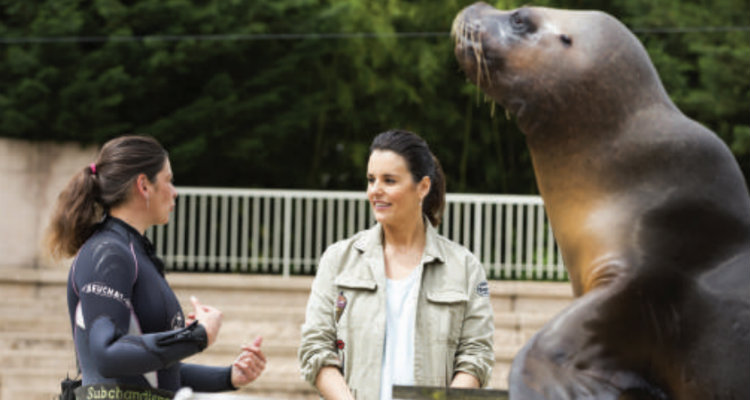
(32, 175)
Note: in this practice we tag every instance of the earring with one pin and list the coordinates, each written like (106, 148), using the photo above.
(148, 203)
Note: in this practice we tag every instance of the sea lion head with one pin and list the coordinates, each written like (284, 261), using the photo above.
(550, 66)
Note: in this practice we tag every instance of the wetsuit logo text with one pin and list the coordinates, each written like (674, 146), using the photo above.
(109, 393)
(100, 289)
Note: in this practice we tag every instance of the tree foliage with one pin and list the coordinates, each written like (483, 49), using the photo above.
(300, 111)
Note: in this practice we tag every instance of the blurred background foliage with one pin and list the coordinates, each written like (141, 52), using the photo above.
(289, 93)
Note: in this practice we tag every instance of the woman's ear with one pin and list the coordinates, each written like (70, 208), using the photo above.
(141, 185)
(423, 187)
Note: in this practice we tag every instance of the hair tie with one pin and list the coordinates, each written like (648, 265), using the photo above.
(92, 167)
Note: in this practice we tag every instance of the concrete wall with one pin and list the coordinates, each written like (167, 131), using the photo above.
(32, 174)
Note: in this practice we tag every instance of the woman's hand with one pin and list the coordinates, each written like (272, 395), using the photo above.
(207, 316)
(249, 365)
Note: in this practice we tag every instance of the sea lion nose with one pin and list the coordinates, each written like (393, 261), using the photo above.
(470, 19)
(478, 17)
(480, 5)
(475, 11)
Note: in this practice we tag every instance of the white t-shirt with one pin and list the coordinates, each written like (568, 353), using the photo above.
(398, 349)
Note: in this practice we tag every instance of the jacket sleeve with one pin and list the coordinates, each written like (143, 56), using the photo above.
(317, 347)
(475, 354)
(116, 348)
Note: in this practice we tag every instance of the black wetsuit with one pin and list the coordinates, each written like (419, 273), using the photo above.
(128, 325)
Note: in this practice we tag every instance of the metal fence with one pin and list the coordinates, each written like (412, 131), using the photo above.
(285, 231)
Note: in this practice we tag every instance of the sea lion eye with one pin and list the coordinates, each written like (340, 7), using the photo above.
(521, 21)
(516, 20)
(567, 41)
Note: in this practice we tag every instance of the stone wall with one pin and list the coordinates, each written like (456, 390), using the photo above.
(32, 174)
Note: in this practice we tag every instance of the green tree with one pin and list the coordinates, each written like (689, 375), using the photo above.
(300, 111)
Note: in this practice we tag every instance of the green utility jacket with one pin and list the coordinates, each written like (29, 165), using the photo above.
(345, 318)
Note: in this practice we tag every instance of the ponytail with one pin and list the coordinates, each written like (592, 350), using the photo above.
(75, 216)
(433, 204)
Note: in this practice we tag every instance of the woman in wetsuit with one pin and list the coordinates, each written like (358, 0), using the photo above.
(128, 327)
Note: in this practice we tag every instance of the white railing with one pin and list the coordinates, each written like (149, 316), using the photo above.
(285, 231)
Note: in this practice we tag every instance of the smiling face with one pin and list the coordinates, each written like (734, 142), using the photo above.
(162, 196)
(394, 196)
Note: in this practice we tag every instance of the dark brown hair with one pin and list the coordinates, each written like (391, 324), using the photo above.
(98, 187)
(421, 162)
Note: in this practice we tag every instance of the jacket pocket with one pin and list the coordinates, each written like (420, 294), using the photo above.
(444, 315)
(349, 282)
(347, 289)
(447, 297)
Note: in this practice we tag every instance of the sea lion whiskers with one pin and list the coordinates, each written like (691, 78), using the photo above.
(478, 52)
(460, 34)
(482, 68)
(478, 55)
(469, 36)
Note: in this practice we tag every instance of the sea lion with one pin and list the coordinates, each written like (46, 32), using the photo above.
(649, 208)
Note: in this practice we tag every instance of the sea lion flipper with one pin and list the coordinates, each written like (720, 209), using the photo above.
(563, 361)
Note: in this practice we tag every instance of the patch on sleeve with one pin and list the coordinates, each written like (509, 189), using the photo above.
(340, 305)
(483, 289)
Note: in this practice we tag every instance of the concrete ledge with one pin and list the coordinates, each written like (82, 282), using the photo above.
(33, 275)
(215, 281)
(244, 282)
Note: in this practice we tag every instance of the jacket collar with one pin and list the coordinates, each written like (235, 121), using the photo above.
(440, 282)
(371, 243)
(371, 273)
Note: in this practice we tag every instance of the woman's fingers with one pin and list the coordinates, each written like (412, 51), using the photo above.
(257, 352)
(246, 368)
(255, 347)
(209, 317)
(196, 304)
(252, 358)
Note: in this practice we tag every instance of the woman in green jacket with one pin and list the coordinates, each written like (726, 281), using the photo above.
(398, 303)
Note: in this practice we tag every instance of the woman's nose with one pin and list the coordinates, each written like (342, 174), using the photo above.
(375, 187)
